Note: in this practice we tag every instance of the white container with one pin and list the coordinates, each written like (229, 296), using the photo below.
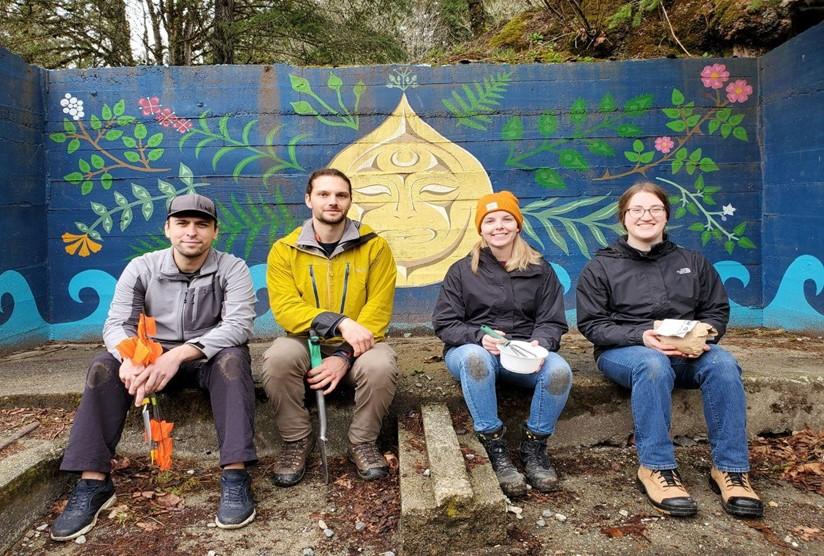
(511, 361)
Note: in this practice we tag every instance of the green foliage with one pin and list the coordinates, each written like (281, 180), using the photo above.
(106, 136)
(555, 217)
(474, 106)
(326, 114)
(631, 12)
(255, 218)
(223, 136)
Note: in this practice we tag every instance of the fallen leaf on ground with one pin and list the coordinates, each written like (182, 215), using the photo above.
(148, 526)
(391, 460)
(118, 510)
(769, 534)
(808, 533)
(170, 501)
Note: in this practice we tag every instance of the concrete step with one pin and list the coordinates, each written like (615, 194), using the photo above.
(446, 499)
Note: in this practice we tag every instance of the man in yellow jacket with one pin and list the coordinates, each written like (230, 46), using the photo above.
(335, 277)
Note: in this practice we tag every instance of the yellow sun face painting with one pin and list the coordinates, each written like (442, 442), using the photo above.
(416, 189)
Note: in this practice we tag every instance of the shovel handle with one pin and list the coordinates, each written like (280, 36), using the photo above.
(316, 359)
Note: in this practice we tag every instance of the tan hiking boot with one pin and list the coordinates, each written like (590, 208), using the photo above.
(737, 496)
(368, 460)
(666, 492)
(290, 464)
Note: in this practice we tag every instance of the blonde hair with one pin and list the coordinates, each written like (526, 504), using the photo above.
(522, 255)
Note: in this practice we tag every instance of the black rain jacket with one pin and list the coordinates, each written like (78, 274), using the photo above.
(526, 304)
(622, 291)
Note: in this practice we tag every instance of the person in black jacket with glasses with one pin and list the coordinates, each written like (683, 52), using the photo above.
(505, 284)
(641, 278)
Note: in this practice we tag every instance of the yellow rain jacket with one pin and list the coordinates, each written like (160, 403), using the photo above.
(307, 289)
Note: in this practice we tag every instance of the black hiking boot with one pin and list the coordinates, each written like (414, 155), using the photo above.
(86, 501)
(539, 472)
(511, 481)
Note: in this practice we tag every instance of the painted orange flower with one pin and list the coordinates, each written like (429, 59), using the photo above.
(80, 244)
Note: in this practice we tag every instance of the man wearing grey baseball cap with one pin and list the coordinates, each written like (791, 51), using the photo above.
(202, 301)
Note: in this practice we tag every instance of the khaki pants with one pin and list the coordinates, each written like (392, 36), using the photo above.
(374, 376)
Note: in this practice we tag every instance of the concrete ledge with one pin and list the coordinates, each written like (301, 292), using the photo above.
(450, 482)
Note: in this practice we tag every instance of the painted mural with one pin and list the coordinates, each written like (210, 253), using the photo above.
(421, 145)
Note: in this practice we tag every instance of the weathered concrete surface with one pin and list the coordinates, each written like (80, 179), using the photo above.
(437, 518)
(450, 482)
(29, 481)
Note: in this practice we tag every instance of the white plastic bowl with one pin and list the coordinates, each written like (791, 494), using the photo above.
(511, 361)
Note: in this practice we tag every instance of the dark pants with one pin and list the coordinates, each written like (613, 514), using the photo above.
(99, 421)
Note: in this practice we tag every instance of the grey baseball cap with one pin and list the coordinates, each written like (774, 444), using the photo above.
(193, 203)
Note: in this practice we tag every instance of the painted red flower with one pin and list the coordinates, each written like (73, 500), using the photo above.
(182, 125)
(715, 76)
(149, 105)
(738, 91)
(664, 144)
(165, 117)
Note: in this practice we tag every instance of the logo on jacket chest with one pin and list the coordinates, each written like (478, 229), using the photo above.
(684, 270)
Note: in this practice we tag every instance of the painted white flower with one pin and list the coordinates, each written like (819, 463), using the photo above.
(72, 106)
(728, 210)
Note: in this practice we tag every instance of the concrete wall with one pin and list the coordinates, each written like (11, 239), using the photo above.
(422, 144)
(792, 116)
(24, 295)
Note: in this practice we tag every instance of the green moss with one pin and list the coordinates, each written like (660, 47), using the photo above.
(511, 34)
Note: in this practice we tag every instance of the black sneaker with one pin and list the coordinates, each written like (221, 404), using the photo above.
(237, 508)
(86, 501)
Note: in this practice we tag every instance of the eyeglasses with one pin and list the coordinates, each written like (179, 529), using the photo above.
(638, 212)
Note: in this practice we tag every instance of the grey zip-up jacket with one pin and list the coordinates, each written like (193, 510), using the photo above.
(211, 309)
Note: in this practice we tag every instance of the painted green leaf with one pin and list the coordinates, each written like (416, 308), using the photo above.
(716, 234)
(154, 140)
(714, 124)
(58, 137)
(98, 208)
(95, 123)
(129, 142)
(729, 245)
(674, 199)
(600, 147)
(166, 188)
(513, 129)
(724, 114)
(140, 192)
(692, 208)
(97, 161)
(125, 218)
(113, 134)
(530, 232)
(706, 236)
(154, 154)
(708, 165)
(84, 166)
(739, 229)
(646, 158)
(628, 130)
(120, 199)
(555, 237)
(631, 156)
(693, 120)
(736, 119)
(578, 112)
(74, 177)
(300, 84)
(131, 156)
(119, 107)
(690, 167)
(358, 90)
(547, 124)
(699, 183)
(147, 209)
(677, 165)
(140, 131)
(303, 108)
(186, 175)
(712, 189)
(638, 146)
(677, 125)
(681, 154)
(73, 145)
(695, 155)
(576, 236)
(107, 223)
(68, 126)
(94, 234)
(696, 227)
(677, 97)
(709, 200)
(637, 105)
(82, 227)
(572, 160)
(106, 112)
(740, 133)
(334, 82)
(725, 130)
(549, 178)
(106, 181)
(607, 103)
(86, 187)
(672, 112)
(746, 243)
(124, 120)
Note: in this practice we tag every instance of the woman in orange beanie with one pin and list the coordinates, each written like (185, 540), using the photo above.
(507, 285)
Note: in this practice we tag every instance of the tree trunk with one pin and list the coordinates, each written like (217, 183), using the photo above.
(223, 40)
(477, 17)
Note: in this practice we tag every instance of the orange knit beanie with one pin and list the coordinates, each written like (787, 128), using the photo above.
(502, 200)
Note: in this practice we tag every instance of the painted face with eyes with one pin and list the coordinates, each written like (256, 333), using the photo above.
(418, 191)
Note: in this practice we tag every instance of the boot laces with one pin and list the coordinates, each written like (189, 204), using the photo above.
(80, 498)
(368, 453)
(734, 479)
(293, 452)
(669, 478)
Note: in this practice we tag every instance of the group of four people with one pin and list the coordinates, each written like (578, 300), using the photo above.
(334, 278)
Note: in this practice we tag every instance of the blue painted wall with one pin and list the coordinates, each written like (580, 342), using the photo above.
(24, 293)
(792, 114)
(567, 139)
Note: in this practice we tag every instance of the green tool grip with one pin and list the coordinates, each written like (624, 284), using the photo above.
(487, 330)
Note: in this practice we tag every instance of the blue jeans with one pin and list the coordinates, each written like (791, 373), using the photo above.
(478, 370)
(651, 376)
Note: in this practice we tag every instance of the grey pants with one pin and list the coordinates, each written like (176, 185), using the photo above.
(374, 376)
(99, 421)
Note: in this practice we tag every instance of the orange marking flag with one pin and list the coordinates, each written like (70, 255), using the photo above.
(162, 436)
(141, 349)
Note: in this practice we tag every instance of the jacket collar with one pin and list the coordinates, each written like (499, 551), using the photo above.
(306, 239)
(487, 258)
(169, 269)
(658, 250)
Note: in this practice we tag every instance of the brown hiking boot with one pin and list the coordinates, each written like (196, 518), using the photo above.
(666, 492)
(368, 460)
(291, 461)
(511, 481)
(737, 496)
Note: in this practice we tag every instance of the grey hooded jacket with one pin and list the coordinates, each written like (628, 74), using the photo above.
(212, 309)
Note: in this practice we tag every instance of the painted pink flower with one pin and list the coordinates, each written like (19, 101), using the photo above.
(738, 91)
(715, 76)
(165, 117)
(149, 105)
(664, 144)
(182, 125)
